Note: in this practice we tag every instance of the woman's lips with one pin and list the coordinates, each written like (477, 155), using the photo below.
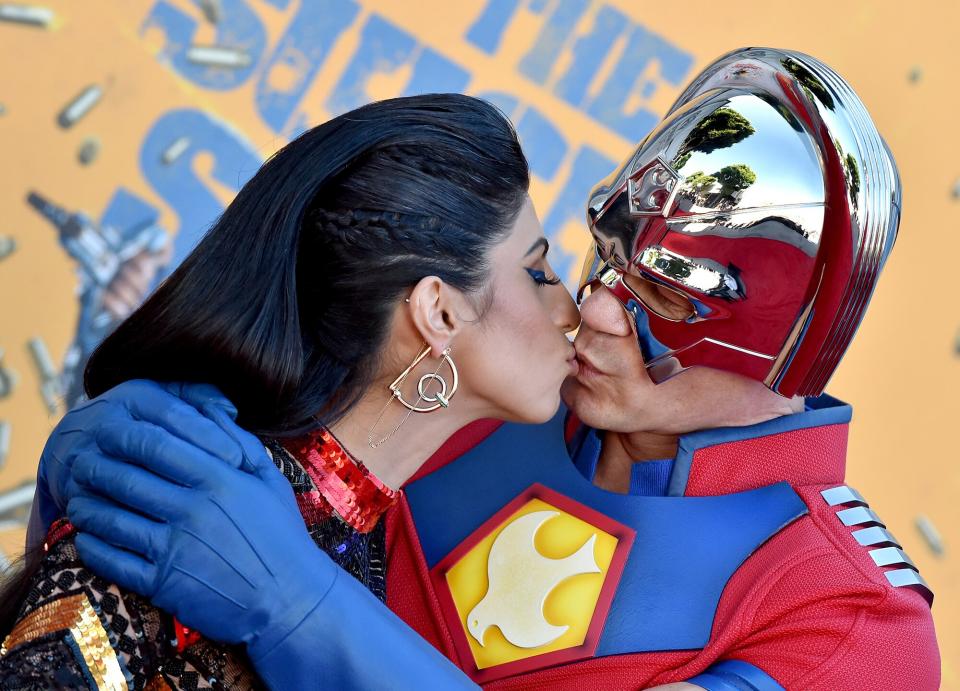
(574, 364)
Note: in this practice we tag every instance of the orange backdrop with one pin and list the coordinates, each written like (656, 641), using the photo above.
(169, 141)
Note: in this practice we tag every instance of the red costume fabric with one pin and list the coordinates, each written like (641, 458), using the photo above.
(810, 607)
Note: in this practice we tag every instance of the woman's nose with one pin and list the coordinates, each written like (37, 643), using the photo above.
(602, 312)
(566, 314)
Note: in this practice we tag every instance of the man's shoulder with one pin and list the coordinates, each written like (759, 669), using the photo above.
(850, 529)
(848, 610)
(838, 561)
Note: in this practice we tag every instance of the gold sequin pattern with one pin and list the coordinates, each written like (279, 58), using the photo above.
(157, 683)
(74, 614)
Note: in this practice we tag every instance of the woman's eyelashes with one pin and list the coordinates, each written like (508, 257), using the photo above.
(541, 278)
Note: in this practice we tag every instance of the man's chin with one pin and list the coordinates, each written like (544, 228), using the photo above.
(598, 410)
(579, 401)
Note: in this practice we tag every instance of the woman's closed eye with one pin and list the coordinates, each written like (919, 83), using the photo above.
(542, 279)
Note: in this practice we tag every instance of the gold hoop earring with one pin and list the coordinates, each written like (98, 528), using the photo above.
(437, 400)
(440, 399)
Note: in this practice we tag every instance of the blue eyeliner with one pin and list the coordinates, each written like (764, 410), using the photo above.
(541, 278)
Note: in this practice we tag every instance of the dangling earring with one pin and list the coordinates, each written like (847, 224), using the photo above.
(440, 399)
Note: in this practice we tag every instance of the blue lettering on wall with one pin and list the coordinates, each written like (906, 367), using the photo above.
(485, 33)
(589, 167)
(383, 49)
(487, 30)
(127, 211)
(239, 28)
(542, 142)
(298, 56)
(433, 73)
(648, 62)
(632, 76)
(541, 58)
(235, 162)
(609, 107)
(589, 52)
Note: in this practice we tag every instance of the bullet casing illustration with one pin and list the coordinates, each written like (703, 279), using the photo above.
(930, 534)
(218, 56)
(7, 246)
(174, 151)
(5, 430)
(79, 106)
(50, 388)
(8, 378)
(32, 15)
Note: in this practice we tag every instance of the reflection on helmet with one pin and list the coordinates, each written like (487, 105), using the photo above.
(750, 227)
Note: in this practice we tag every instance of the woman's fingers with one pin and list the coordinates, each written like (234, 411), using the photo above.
(171, 406)
(155, 449)
(202, 396)
(256, 459)
(119, 527)
(131, 486)
(116, 565)
(161, 405)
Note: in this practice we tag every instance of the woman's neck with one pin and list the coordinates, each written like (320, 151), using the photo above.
(398, 458)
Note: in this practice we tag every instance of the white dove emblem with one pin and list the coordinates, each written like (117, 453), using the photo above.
(520, 579)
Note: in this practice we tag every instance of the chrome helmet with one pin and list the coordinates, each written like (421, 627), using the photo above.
(747, 231)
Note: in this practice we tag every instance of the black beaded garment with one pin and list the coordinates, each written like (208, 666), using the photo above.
(77, 631)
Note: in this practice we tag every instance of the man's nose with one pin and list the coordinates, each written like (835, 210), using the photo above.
(602, 312)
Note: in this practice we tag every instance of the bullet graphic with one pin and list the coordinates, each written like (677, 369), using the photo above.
(212, 10)
(174, 151)
(49, 380)
(930, 534)
(5, 428)
(80, 106)
(89, 150)
(218, 56)
(26, 14)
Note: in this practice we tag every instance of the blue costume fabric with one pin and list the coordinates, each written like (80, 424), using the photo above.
(652, 478)
(744, 573)
(696, 526)
(237, 560)
(689, 546)
(650, 610)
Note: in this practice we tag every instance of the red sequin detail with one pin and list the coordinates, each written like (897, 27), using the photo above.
(185, 635)
(357, 495)
(60, 529)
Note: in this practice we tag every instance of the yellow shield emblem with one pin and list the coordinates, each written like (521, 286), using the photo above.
(532, 586)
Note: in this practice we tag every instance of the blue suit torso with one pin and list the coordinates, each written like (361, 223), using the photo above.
(685, 549)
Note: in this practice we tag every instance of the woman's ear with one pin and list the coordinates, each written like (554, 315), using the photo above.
(434, 308)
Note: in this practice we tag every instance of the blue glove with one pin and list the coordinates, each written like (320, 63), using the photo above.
(225, 550)
(171, 406)
(735, 675)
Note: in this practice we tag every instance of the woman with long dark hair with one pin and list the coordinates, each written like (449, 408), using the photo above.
(379, 283)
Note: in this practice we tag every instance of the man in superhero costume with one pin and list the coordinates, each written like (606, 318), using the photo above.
(706, 534)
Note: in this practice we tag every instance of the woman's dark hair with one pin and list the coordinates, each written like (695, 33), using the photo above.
(285, 303)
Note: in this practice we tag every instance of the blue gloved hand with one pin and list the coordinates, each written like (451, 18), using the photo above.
(209, 533)
(225, 550)
(171, 406)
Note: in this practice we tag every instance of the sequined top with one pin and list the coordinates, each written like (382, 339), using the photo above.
(350, 490)
(78, 631)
